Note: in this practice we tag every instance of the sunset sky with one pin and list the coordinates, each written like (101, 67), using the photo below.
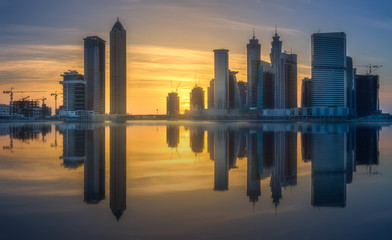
(171, 41)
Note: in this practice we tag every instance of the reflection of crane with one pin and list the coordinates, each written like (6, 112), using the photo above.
(55, 94)
(369, 68)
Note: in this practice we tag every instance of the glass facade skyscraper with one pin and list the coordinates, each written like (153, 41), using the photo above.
(94, 73)
(329, 70)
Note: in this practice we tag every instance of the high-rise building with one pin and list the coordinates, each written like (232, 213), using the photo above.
(253, 54)
(262, 88)
(350, 85)
(288, 81)
(172, 104)
(197, 100)
(234, 97)
(329, 73)
(221, 88)
(306, 93)
(74, 91)
(118, 69)
(285, 69)
(211, 98)
(243, 87)
(367, 101)
(276, 51)
(94, 73)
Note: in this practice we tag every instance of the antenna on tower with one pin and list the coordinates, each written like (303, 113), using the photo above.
(118, 19)
(276, 29)
(254, 33)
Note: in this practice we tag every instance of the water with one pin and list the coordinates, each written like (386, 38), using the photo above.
(159, 180)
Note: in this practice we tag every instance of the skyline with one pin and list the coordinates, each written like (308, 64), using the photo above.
(173, 50)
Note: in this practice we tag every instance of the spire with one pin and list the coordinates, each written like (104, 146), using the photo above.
(276, 29)
(254, 33)
(118, 26)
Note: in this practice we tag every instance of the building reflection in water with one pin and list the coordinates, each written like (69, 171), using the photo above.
(334, 151)
(94, 166)
(172, 136)
(118, 173)
(74, 145)
(196, 140)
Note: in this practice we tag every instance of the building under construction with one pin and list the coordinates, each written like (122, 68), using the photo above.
(30, 109)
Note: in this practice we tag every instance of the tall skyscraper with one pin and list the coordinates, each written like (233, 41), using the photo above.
(285, 69)
(306, 92)
(211, 98)
(262, 88)
(118, 69)
(276, 51)
(329, 70)
(74, 91)
(94, 73)
(253, 54)
(221, 89)
(367, 101)
(172, 104)
(235, 101)
(197, 100)
(288, 81)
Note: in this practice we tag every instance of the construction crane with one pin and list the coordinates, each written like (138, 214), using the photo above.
(43, 99)
(178, 86)
(55, 94)
(24, 99)
(11, 93)
(369, 68)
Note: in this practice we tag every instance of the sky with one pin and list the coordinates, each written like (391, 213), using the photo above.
(170, 43)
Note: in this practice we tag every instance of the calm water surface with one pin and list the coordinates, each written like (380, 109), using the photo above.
(163, 180)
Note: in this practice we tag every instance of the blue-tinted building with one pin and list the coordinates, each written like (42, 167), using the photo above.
(329, 73)
(367, 87)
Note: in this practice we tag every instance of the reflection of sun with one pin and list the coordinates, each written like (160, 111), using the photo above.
(186, 104)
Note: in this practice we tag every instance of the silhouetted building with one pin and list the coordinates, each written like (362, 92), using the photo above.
(262, 84)
(234, 97)
(367, 101)
(118, 170)
(221, 71)
(94, 73)
(306, 93)
(243, 88)
(172, 104)
(275, 55)
(350, 86)
(329, 73)
(94, 166)
(118, 69)
(253, 54)
(211, 98)
(172, 135)
(306, 146)
(197, 100)
(74, 91)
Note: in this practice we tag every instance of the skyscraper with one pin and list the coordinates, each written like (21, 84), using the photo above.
(74, 91)
(172, 104)
(285, 69)
(118, 71)
(197, 100)
(276, 51)
(367, 87)
(306, 93)
(253, 54)
(262, 88)
(221, 72)
(211, 98)
(329, 70)
(94, 73)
